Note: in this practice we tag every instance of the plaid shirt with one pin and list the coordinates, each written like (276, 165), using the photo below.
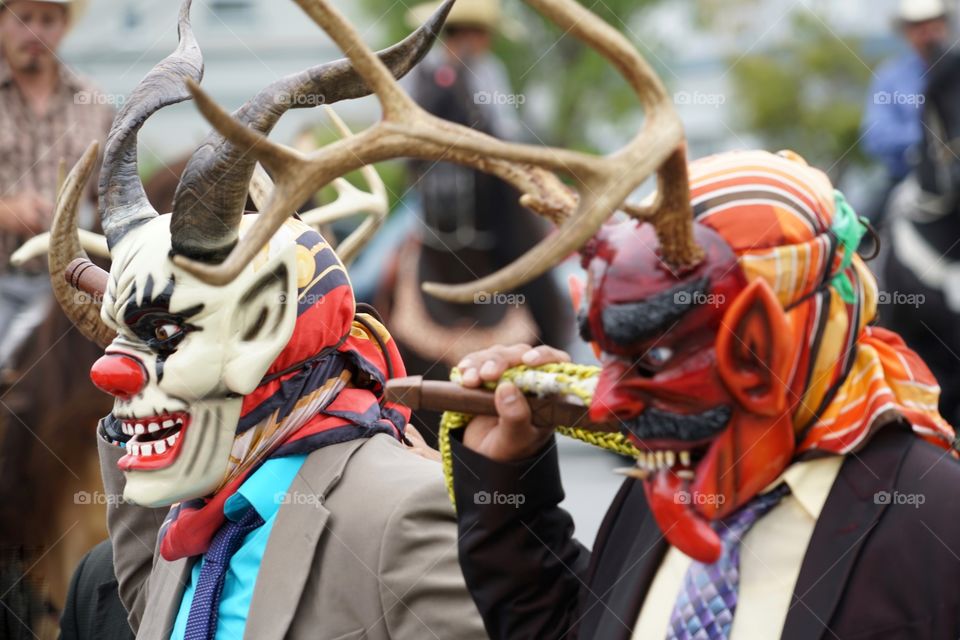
(31, 145)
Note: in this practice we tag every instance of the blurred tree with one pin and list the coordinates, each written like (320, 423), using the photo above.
(806, 94)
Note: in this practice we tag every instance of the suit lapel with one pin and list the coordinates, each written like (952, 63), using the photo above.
(289, 556)
(621, 583)
(848, 517)
(167, 582)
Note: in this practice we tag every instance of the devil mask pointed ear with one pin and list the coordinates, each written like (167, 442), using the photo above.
(755, 353)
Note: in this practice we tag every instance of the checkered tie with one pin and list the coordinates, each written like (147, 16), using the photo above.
(708, 599)
(202, 620)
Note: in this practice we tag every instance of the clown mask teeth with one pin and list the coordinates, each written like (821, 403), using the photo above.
(156, 440)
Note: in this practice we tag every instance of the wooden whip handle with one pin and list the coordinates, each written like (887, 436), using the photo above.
(437, 395)
(85, 276)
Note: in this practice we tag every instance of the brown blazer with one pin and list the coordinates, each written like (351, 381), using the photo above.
(367, 550)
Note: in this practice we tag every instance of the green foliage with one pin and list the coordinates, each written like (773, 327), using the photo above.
(806, 94)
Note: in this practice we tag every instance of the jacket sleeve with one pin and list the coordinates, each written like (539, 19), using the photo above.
(522, 565)
(133, 534)
(422, 590)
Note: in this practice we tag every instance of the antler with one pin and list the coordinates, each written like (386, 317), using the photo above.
(601, 183)
(350, 200)
(38, 245)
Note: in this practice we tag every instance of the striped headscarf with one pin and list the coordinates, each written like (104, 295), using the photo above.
(789, 226)
(325, 387)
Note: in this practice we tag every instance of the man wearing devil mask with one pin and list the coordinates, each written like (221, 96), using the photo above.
(795, 479)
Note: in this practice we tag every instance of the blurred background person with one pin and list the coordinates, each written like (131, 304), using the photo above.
(891, 127)
(466, 223)
(47, 113)
(922, 272)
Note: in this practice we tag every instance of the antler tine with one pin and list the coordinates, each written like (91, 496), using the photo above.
(406, 130)
(65, 247)
(350, 200)
(393, 99)
(38, 245)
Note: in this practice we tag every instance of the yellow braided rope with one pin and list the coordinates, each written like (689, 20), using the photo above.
(575, 381)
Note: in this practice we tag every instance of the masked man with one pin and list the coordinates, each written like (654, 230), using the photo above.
(254, 407)
(795, 480)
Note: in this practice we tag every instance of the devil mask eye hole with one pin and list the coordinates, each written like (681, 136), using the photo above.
(656, 358)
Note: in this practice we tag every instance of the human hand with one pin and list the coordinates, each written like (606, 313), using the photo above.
(510, 435)
(419, 446)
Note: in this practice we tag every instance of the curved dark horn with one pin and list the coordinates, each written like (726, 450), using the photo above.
(213, 188)
(123, 204)
(65, 247)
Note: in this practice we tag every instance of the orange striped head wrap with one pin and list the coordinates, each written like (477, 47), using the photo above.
(788, 226)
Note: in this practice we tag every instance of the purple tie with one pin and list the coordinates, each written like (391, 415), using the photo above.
(708, 599)
(202, 620)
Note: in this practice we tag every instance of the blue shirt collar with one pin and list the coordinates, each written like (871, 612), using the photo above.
(265, 489)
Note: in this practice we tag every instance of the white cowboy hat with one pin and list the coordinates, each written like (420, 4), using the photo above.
(75, 8)
(921, 10)
(485, 14)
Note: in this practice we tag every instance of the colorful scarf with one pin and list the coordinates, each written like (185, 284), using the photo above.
(788, 226)
(324, 388)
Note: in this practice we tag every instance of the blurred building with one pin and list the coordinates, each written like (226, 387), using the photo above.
(246, 45)
(249, 43)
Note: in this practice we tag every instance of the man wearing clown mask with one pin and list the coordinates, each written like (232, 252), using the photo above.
(259, 483)
(794, 478)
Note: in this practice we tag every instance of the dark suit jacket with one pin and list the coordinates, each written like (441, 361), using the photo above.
(879, 565)
(93, 609)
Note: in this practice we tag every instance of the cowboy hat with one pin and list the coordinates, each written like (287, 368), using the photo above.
(485, 14)
(912, 11)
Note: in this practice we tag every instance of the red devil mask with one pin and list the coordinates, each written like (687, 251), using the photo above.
(723, 373)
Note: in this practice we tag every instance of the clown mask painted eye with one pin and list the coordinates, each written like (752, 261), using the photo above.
(165, 332)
